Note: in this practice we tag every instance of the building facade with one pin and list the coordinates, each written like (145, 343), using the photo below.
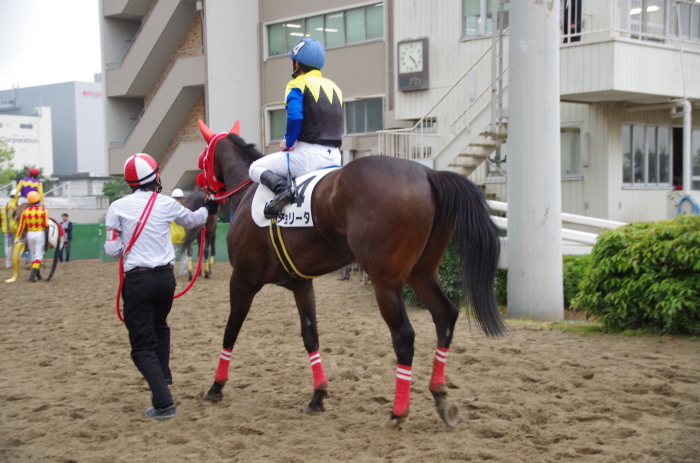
(423, 80)
(30, 137)
(78, 127)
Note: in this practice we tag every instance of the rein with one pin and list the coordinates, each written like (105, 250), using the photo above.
(137, 231)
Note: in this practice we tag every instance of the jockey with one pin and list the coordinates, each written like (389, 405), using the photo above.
(149, 283)
(9, 227)
(314, 126)
(27, 184)
(35, 220)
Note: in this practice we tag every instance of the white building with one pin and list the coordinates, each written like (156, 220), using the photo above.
(78, 122)
(629, 68)
(30, 137)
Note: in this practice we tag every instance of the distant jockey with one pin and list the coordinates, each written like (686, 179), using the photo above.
(28, 184)
(9, 227)
(35, 220)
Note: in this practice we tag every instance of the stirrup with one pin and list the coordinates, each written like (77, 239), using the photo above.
(276, 204)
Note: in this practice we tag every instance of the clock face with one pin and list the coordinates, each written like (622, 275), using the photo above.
(411, 57)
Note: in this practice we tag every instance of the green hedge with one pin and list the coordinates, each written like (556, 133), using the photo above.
(646, 275)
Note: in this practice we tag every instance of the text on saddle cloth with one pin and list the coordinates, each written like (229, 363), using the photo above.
(296, 214)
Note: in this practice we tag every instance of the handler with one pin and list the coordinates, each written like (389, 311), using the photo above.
(314, 126)
(35, 220)
(149, 283)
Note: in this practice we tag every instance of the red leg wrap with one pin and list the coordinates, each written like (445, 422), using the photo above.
(320, 380)
(402, 397)
(439, 363)
(222, 371)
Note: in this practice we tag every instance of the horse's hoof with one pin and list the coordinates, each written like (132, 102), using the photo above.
(449, 413)
(394, 423)
(214, 397)
(309, 410)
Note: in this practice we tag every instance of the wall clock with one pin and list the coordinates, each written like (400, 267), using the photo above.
(412, 64)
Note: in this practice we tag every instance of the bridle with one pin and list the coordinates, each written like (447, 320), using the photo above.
(207, 178)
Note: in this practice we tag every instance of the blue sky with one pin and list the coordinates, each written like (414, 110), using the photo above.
(48, 41)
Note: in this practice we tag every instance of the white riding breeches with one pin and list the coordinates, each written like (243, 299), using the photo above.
(9, 247)
(305, 157)
(36, 241)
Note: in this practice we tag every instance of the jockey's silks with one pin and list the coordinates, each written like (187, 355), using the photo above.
(34, 218)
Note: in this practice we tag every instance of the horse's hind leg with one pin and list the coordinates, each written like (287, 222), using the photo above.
(241, 296)
(306, 304)
(445, 316)
(393, 311)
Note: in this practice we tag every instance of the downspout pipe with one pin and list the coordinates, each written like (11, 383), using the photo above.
(687, 137)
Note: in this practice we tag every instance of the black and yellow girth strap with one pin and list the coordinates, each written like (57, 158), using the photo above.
(282, 254)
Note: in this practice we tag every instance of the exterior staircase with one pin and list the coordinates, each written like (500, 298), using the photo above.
(470, 135)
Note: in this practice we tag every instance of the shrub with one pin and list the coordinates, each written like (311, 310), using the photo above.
(646, 275)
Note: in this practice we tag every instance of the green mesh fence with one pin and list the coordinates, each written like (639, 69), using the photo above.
(89, 239)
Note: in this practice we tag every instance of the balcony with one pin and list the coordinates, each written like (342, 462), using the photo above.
(639, 51)
(154, 44)
(172, 101)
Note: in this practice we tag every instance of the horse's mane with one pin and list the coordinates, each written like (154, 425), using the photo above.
(247, 149)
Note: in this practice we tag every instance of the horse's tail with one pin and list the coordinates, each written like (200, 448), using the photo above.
(460, 203)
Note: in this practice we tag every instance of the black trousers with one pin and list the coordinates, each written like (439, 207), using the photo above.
(148, 298)
(64, 255)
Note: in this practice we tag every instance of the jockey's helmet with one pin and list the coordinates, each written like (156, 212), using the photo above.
(140, 169)
(33, 197)
(309, 52)
(33, 172)
(177, 193)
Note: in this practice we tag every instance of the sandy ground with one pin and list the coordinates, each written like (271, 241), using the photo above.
(69, 392)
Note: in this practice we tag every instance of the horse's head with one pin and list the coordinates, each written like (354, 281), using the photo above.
(226, 160)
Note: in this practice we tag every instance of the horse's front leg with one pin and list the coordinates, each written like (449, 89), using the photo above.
(241, 295)
(306, 304)
(393, 312)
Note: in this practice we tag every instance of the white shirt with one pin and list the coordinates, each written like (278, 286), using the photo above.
(153, 247)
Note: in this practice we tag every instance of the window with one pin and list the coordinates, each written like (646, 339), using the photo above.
(363, 116)
(687, 24)
(332, 30)
(278, 124)
(646, 158)
(571, 152)
(477, 17)
(26, 126)
(648, 17)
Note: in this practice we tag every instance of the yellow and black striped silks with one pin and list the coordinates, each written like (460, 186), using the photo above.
(322, 107)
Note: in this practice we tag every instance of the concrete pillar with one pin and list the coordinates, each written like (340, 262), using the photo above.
(535, 286)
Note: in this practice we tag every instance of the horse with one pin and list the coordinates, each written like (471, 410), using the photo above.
(194, 201)
(395, 218)
(55, 239)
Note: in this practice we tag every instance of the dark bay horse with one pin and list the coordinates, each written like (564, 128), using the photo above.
(395, 218)
(194, 201)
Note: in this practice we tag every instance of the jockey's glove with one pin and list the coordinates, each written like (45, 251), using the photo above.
(212, 206)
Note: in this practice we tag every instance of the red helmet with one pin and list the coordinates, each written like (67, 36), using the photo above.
(140, 169)
(34, 172)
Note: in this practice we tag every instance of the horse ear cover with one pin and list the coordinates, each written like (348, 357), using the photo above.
(206, 131)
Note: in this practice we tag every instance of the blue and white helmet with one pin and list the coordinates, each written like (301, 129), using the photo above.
(309, 52)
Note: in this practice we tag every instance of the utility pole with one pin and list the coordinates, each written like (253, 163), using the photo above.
(535, 287)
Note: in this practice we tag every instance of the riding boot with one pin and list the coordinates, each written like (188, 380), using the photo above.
(38, 275)
(283, 193)
(33, 275)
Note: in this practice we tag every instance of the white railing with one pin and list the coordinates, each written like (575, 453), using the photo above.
(663, 21)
